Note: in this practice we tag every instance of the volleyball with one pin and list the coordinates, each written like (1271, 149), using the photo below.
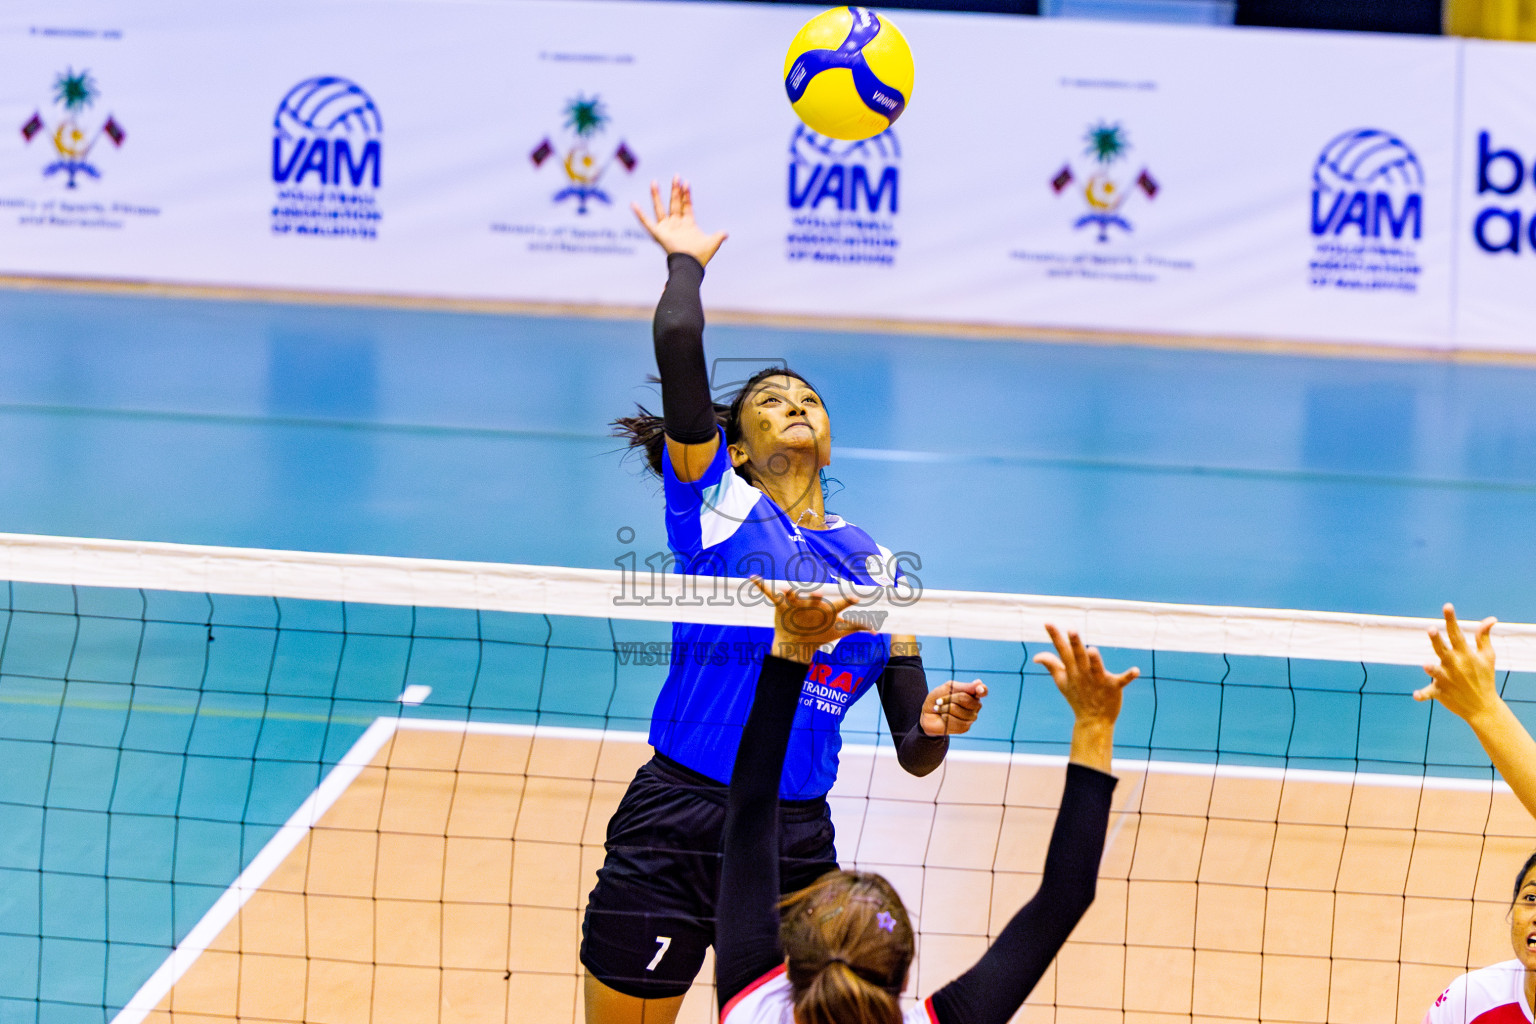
(848, 73)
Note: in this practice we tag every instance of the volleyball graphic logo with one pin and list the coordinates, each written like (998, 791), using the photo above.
(327, 129)
(327, 160)
(848, 73)
(326, 103)
(1367, 158)
(1368, 183)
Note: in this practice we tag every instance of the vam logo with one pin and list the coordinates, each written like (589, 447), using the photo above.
(1367, 183)
(843, 198)
(1367, 213)
(1105, 186)
(850, 176)
(1502, 173)
(585, 119)
(327, 160)
(73, 140)
(327, 131)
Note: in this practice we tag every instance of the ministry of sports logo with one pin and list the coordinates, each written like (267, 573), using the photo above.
(1367, 213)
(327, 160)
(843, 198)
(1104, 178)
(584, 160)
(71, 133)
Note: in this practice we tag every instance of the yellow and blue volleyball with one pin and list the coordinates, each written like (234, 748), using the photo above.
(848, 73)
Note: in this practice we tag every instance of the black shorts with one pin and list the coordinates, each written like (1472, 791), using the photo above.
(651, 915)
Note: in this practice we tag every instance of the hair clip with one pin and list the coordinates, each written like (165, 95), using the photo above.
(886, 921)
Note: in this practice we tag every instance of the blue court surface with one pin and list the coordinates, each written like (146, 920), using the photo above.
(1202, 477)
(154, 742)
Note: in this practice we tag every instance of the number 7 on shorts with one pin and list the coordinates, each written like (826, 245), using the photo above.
(664, 942)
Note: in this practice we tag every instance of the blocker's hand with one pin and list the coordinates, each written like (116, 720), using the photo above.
(952, 708)
(1464, 679)
(674, 227)
(803, 622)
(1079, 673)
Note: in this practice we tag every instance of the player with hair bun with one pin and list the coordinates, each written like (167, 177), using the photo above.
(839, 951)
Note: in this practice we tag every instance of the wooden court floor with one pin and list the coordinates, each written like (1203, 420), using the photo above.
(442, 880)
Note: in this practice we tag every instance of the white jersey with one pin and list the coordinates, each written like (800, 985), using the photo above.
(1493, 995)
(768, 1001)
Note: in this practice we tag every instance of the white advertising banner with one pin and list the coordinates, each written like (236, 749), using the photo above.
(1046, 173)
(1496, 243)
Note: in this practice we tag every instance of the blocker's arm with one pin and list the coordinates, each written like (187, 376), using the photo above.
(1465, 682)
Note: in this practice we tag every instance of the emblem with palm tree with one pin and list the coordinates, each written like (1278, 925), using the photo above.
(585, 118)
(1107, 145)
(75, 91)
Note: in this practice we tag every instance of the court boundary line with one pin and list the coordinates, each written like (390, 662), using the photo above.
(271, 856)
(945, 329)
(366, 748)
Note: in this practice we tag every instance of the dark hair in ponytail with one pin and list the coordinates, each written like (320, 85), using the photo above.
(645, 432)
(848, 943)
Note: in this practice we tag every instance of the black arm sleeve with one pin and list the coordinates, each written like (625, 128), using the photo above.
(903, 688)
(747, 912)
(678, 329)
(990, 992)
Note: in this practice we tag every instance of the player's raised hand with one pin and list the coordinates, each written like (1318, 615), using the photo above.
(804, 621)
(1093, 692)
(952, 708)
(1463, 680)
(674, 227)
(1091, 689)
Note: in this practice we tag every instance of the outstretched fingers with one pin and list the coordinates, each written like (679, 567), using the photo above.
(1080, 656)
(1062, 645)
(1451, 646)
(1485, 636)
(1463, 677)
(1118, 679)
(1438, 642)
(1453, 628)
(1075, 660)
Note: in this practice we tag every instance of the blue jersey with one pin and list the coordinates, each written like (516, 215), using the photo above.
(720, 525)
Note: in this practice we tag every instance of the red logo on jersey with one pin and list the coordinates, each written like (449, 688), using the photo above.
(821, 673)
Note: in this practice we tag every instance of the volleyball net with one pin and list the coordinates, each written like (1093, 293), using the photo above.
(283, 786)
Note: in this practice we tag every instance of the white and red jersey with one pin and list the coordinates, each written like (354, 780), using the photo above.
(768, 1000)
(1493, 995)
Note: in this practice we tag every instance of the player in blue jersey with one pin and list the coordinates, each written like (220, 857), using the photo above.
(743, 493)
